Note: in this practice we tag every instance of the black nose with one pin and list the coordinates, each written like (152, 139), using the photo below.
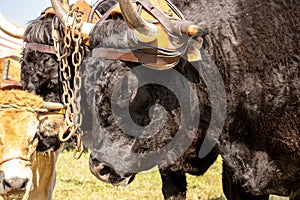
(100, 170)
(106, 170)
(105, 173)
(15, 184)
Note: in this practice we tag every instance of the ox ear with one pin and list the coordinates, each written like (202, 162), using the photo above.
(48, 132)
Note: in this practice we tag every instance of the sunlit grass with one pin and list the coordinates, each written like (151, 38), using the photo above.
(75, 182)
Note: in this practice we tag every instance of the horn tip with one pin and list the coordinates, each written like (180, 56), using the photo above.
(192, 30)
(53, 105)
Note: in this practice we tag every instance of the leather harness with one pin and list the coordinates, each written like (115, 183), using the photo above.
(10, 84)
(43, 48)
(134, 56)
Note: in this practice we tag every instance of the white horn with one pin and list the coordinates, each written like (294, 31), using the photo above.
(10, 28)
(144, 31)
(53, 105)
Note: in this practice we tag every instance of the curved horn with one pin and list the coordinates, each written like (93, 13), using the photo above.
(53, 105)
(62, 15)
(10, 28)
(144, 31)
(65, 5)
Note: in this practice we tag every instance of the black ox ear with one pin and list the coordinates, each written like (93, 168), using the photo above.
(48, 135)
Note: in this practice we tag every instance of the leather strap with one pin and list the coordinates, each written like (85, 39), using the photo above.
(10, 84)
(135, 56)
(43, 48)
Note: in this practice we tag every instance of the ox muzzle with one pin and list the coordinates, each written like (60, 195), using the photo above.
(107, 174)
(16, 179)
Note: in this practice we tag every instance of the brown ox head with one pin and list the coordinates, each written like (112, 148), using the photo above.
(23, 131)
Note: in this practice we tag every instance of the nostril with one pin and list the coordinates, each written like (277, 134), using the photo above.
(6, 184)
(23, 186)
(104, 171)
(15, 184)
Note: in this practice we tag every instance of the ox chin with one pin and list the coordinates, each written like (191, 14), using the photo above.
(17, 196)
(108, 175)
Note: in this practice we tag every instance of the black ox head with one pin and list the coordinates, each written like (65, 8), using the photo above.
(139, 121)
(139, 114)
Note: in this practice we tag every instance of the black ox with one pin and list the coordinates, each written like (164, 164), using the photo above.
(113, 86)
(40, 67)
(40, 75)
(255, 47)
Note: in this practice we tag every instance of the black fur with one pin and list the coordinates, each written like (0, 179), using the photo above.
(255, 46)
(40, 75)
(100, 77)
(39, 71)
(109, 33)
(47, 140)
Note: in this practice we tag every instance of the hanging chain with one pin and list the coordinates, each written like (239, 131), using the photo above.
(66, 46)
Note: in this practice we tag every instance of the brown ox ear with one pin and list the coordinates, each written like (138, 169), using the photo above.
(48, 132)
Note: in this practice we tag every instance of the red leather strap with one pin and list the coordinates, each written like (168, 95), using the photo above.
(134, 56)
(10, 84)
(40, 47)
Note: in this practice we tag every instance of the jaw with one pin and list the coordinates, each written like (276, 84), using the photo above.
(18, 195)
(13, 196)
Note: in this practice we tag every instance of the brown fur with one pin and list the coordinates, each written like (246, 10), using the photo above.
(20, 98)
(18, 142)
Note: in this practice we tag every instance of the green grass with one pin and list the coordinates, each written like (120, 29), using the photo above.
(75, 182)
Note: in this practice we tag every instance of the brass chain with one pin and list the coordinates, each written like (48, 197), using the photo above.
(70, 45)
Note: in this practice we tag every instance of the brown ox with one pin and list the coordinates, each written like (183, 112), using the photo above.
(25, 172)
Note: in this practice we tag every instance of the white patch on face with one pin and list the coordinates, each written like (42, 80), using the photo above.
(15, 168)
(1, 183)
(32, 128)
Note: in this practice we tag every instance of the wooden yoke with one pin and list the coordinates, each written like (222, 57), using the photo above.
(163, 40)
(83, 6)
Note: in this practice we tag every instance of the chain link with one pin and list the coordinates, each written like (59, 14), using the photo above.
(70, 45)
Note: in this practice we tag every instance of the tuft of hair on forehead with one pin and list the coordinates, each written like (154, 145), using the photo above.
(20, 98)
